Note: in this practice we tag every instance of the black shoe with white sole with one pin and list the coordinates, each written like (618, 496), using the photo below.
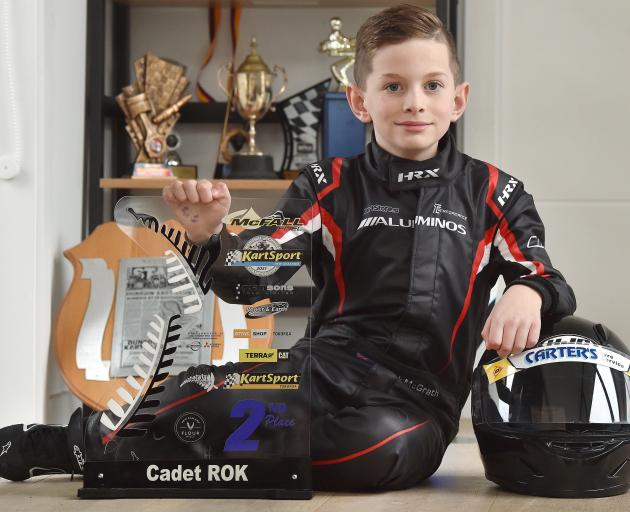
(33, 450)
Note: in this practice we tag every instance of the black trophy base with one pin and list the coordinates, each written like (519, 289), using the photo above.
(281, 479)
(140, 493)
(252, 167)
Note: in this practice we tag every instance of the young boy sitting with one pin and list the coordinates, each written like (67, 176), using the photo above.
(407, 241)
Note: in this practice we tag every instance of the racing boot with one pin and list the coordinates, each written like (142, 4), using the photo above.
(33, 450)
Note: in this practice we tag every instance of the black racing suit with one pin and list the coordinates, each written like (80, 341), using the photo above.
(404, 254)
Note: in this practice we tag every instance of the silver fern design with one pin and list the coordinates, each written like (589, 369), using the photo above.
(139, 394)
(198, 258)
(178, 275)
(79, 456)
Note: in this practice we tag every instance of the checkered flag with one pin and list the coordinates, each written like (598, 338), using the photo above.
(233, 257)
(231, 379)
(301, 115)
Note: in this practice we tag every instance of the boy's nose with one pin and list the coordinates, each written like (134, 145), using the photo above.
(414, 102)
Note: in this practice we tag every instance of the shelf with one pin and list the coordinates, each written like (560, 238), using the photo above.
(194, 112)
(158, 183)
(271, 3)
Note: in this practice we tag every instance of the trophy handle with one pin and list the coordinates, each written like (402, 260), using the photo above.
(227, 67)
(282, 89)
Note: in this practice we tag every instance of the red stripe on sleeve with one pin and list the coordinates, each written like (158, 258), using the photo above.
(515, 250)
(492, 185)
(336, 172)
(337, 236)
(305, 218)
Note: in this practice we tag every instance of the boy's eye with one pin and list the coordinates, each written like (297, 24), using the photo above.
(393, 87)
(434, 86)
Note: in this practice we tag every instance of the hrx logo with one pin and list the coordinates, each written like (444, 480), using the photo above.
(509, 188)
(319, 174)
(417, 175)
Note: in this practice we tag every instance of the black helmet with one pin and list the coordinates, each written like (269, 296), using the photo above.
(555, 420)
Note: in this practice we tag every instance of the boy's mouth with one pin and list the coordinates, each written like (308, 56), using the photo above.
(414, 126)
(413, 123)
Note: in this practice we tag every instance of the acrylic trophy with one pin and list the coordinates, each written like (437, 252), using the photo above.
(236, 425)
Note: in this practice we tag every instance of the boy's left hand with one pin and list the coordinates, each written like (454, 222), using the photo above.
(514, 323)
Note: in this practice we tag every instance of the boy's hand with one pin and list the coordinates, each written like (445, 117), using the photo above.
(199, 206)
(514, 323)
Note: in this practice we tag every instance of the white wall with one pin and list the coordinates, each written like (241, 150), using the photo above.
(41, 208)
(549, 105)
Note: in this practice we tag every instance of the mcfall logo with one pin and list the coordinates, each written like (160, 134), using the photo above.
(417, 175)
(266, 309)
(190, 427)
(419, 220)
(249, 219)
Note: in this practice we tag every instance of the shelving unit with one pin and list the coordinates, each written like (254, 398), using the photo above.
(101, 108)
(155, 183)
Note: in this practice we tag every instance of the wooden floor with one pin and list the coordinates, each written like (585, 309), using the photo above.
(459, 485)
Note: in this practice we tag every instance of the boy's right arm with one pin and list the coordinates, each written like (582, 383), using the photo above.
(201, 207)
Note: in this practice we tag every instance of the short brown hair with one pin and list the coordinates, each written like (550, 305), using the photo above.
(398, 24)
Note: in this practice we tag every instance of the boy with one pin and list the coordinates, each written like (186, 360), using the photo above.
(407, 241)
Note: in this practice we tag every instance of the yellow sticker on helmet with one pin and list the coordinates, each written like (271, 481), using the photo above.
(499, 370)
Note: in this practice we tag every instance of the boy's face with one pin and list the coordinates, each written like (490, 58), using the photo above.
(411, 97)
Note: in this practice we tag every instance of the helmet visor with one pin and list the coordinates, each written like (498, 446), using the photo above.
(563, 380)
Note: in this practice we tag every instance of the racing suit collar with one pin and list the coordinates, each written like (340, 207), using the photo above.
(404, 174)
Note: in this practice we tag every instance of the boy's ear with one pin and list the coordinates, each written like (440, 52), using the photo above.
(356, 101)
(460, 100)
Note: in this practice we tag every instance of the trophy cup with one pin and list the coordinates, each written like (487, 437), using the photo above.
(250, 90)
(338, 45)
(343, 133)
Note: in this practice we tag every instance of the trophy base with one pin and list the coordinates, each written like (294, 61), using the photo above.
(252, 167)
(285, 478)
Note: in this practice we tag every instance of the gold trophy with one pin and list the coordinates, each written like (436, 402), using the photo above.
(151, 106)
(250, 92)
(338, 45)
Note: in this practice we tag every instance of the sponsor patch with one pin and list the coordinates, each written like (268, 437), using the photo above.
(79, 456)
(266, 309)
(558, 349)
(263, 256)
(190, 427)
(269, 380)
(418, 175)
(200, 377)
(418, 220)
(249, 219)
(268, 355)
(507, 191)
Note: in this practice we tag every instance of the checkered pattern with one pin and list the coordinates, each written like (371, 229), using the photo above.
(231, 379)
(232, 257)
(303, 110)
